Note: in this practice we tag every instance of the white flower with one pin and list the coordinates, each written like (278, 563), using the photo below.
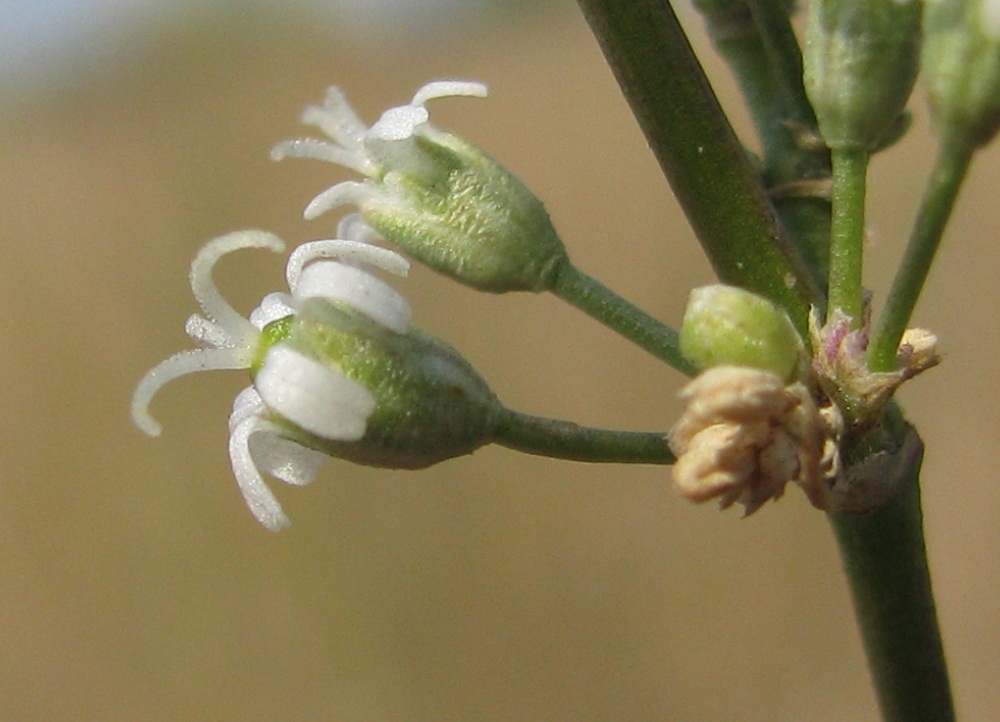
(289, 387)
(438, 197)
(389, 143)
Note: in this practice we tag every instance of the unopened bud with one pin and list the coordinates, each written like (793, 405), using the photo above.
(725, 325)
(860, 59)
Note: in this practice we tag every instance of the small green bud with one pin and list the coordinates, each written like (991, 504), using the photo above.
(435, 195)
(861, 59)
(961, 65)
(728, 326)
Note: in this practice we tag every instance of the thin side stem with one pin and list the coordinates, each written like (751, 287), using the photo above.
(698, 151)
(602, 304)
(885, 560)
(566, 440)
(847, 233)
(950, 167)
(757, 41)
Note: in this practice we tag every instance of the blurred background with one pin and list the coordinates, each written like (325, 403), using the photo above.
(135, 585)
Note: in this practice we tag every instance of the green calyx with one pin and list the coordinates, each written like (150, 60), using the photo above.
(961, 66)
(725, 325)
(430, 404)
(461, 213)
(861, 59)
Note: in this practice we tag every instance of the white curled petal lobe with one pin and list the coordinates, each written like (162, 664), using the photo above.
(272, 307)
(216, 308)
(259, 498)
(447, 89)
(283, 458)
(181, 364)
(399, 123)
(313, 396)
(358, 289)
(354, 252)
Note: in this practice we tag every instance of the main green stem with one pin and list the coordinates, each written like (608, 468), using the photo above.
(885, 560)
(566, 440)
(946, 178)
(847, 233)
(601, 303)
(698, 151)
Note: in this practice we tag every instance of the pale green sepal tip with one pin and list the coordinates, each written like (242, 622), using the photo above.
(725, 325)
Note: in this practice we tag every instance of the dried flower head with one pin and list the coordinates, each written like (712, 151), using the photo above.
(745, 434)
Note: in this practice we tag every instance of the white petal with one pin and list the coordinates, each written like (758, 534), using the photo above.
(448, 88)
(313, 396)
(323, 150)
(272, 307)
(206, 333)
(356, 253)
(215, 307)
(283, 458)
(353, 227)
(357, 288)
(262, 503)
(337, 119)
(398, 123)
(338, 195)
(180, 364)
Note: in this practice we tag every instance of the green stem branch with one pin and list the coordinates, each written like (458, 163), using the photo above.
(847, 233)
(946, 178)
(601, 303)
(566, 440)
(707, 167)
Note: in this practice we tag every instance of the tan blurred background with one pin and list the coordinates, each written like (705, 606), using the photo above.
(134, 585)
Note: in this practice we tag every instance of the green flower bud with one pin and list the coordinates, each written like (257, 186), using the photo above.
(861, 59)
(961, 65)
(728, 326)
(438, 197)
(429, 403)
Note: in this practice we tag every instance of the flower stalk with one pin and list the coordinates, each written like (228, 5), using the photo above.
(602, 304)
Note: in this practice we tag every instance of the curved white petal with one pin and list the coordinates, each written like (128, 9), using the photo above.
(272, 307)
(206, 333)
(216, 308)
(348, 192)
(261, 501)
(337, 119)
(313, 396)
(357, 288)
(353, 227)
(283, 458)
(449, 88)
(356, 253)
(398, 123)
(180, 364)
(326, 151)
